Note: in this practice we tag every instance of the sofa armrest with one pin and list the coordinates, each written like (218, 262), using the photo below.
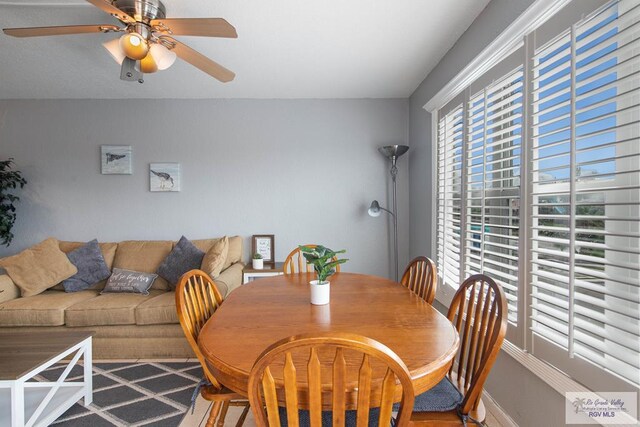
(8, 289)
(229, 279)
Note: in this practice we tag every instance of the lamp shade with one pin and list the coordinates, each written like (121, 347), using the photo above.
(162, 56)
(374, 209)
(113, 47)
(148, 64)
(134, 46)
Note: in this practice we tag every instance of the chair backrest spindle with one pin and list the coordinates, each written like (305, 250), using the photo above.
(297, 263)
(345, 379)
(420, 277)
(479, 313)
(197, 298)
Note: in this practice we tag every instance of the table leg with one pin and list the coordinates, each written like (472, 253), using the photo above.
(17, 404)
(88, 372)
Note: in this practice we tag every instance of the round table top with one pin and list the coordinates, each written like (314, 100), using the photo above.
(264, 311)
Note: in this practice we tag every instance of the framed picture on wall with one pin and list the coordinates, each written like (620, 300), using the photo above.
(264, 244)
(116, 159)
(164, 177)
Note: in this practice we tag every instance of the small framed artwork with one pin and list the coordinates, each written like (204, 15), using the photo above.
(164, 177)
(264, 245)
(116, 159)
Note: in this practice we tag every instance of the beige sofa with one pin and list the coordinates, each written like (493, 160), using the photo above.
(125, 325)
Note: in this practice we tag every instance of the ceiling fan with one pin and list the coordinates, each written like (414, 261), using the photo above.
(147, 44)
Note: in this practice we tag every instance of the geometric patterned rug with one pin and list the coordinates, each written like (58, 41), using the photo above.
(132, 394)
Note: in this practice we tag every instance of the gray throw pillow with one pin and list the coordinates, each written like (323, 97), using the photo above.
(91, 267)
(129, 281)
(184, 257)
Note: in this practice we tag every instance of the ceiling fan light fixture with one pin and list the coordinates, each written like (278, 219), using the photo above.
(113, 47)
(162, 56)
(134, 46)
(148, 64)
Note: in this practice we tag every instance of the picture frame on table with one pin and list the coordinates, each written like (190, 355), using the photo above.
(264, 244)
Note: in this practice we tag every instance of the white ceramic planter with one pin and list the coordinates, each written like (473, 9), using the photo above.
(320, 293)
(258, 264)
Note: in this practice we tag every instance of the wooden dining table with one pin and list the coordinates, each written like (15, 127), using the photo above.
(262, 312)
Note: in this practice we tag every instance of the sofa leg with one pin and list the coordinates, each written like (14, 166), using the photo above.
(211, 422)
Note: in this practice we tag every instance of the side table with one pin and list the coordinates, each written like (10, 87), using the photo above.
(249, 274)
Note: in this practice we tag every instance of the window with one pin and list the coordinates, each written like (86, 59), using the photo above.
(494, 139)
(566, 246)
(450, 141)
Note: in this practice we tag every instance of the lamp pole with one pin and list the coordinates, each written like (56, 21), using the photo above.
(392, 152)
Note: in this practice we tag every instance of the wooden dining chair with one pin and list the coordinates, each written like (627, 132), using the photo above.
(323, 373)
(197, 299)
(296, 262)
(421, 278)
(479, 313)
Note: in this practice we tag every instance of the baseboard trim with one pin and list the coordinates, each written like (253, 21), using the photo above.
(496, 410)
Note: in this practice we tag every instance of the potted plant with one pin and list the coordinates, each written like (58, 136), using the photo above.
(9, 180)
(257, 261)
(324, 263)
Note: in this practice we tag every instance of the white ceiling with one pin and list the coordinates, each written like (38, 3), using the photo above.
(285, 49)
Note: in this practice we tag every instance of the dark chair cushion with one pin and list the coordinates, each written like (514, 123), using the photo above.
(443, 397)
(350, 417)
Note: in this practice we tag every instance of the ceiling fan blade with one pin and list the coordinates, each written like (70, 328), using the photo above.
(200, 61)
(108, 7)
(59, 31)
(206, 27)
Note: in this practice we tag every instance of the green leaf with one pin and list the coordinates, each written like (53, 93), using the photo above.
(9, 180)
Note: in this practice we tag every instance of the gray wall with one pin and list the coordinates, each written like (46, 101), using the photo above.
(526, 398)
(303, 170)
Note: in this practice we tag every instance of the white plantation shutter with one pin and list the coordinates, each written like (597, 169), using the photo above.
(450, 142)
(585, 248)
(493, 141)
(564, 245)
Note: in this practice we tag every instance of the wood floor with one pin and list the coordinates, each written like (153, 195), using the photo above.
(201, 412)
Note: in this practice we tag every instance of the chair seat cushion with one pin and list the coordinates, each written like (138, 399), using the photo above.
(327, 421)
(443, 397)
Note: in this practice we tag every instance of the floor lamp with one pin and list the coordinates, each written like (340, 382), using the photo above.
(392, 152)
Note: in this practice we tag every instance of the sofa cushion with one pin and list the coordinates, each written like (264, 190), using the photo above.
(38, 268)
(8, 289)
(158, 310)
(235, 252)
(107, 309)
(230, 279)
(144, 256)
(184, 256)
(45, 309)
(215, 257)
(91, 267)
